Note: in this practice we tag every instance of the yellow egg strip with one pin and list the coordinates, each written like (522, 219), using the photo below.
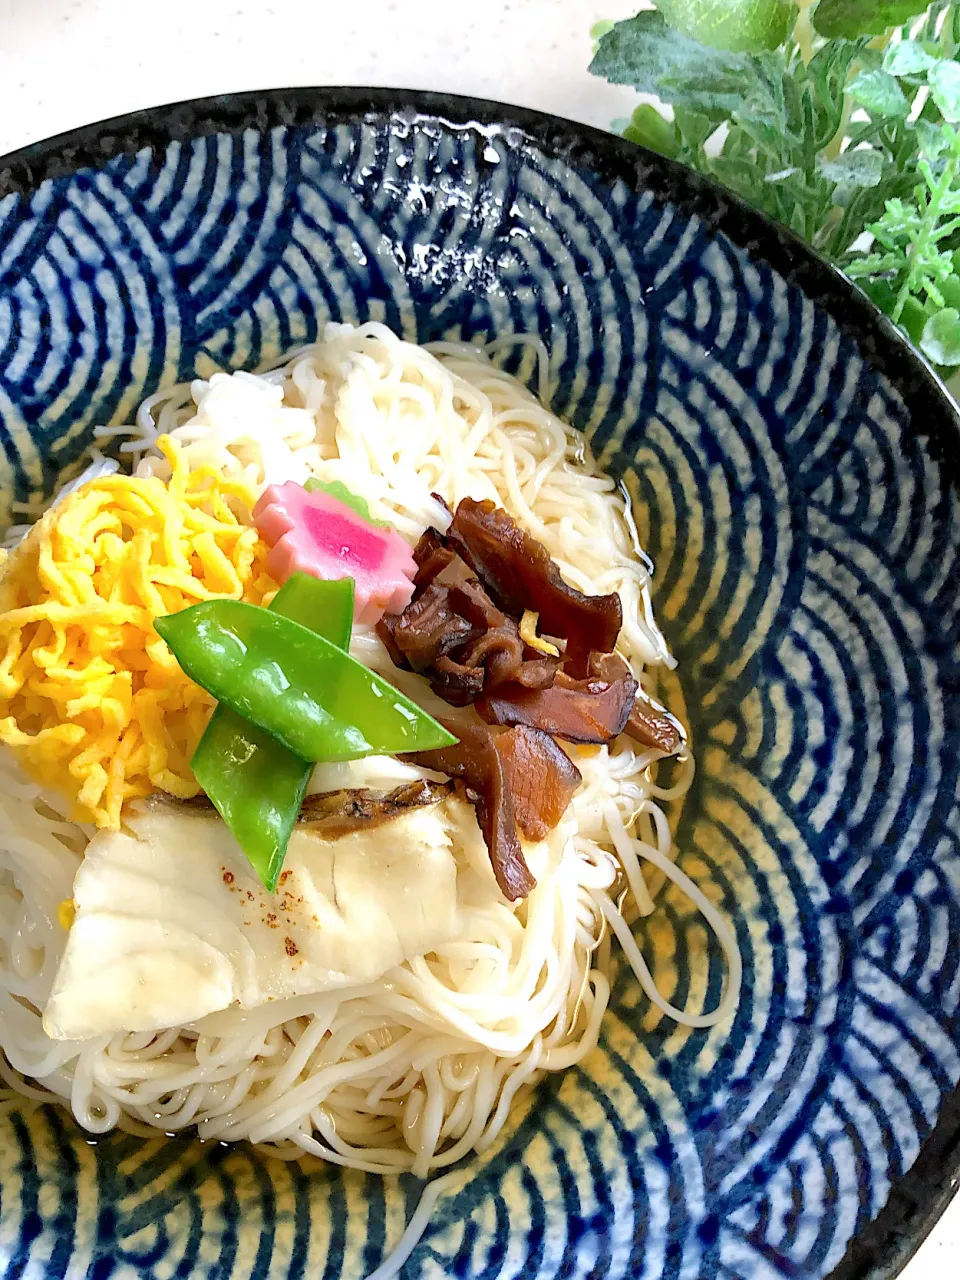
(91, 699)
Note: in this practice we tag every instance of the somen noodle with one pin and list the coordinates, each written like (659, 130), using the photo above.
(416, 1069)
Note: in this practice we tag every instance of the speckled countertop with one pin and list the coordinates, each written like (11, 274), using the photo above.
(67, 62)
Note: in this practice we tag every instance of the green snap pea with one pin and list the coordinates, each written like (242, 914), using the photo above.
(256, 784)
(300, 688)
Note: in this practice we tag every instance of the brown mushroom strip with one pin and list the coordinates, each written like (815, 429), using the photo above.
(541, 776)
(499, 652)
(586, 711)
(497, 646)
(649, 723)
(432, 555)
(537, 673)
(385, 629)
(420, 639)
(472, 602)
(476, 761)
(519, 574)
(456, 683)
(429, 628)
(453, 633)
(607, 666)
(653, 726)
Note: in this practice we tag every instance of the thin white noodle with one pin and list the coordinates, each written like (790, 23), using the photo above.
(415, 1228)
(418, 1069)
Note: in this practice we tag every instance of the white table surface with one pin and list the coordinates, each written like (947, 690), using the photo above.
(68, 62)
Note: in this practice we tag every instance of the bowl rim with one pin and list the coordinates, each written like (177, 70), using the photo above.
(882, 1248)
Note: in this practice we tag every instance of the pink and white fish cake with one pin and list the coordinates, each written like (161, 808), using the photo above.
(318, 534)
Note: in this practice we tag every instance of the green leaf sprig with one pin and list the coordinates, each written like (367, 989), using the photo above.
(839, 119)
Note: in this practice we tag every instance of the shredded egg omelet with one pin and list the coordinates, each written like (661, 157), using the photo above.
(91, 699)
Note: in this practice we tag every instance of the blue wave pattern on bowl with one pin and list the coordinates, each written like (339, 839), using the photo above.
(805, 543)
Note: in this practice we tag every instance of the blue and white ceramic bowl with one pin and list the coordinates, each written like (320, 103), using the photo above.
(793, 466)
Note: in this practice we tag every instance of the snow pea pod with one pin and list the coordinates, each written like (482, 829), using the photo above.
(256, 784)
(304, 691)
